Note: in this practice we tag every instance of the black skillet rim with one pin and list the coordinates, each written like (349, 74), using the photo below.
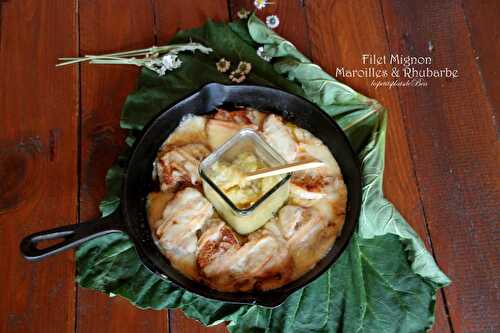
(271, 298)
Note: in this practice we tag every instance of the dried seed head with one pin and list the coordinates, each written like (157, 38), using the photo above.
(237, 76)
(222, 65)
(244, 67)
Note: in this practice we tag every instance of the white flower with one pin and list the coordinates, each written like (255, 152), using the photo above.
(161, 65)
(243, 13)
(161, 70)
(272, 21)
(155, 65)
(171, 61)
(259, 4)
(260, 53)
(166, 63)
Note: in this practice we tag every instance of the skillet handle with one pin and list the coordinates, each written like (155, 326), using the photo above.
(70, 235)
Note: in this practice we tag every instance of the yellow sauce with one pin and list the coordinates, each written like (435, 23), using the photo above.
(229, 177)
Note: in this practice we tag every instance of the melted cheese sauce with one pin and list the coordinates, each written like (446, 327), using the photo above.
(230, 177)
(202, 246)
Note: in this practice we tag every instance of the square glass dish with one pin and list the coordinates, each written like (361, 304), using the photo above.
(246, 206)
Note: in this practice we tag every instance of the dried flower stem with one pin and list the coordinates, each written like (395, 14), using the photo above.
(126, 57)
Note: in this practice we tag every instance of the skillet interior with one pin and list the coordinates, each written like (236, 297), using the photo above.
(138, 181)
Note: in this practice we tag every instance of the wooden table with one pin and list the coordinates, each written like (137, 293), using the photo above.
(59, 134)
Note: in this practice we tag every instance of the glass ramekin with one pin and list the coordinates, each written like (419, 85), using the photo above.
(246, 220)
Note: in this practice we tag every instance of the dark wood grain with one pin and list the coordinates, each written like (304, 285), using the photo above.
(107, 26)
(456, 156)
(38, 140)
(358, 28)
(484, 29)
(179, 323)
(170, 17)
(291, 13)
(442, 155)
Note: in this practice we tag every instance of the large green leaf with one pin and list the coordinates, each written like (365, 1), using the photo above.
(366, 291)
(378, 216)
(385, 281)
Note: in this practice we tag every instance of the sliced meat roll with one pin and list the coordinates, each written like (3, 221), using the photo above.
(310, 233)
(279, 136)
(177, 166)
(262, 263)
(225, 124)
(306, 188)
(216, 241)
(190, 130)
(183, 219)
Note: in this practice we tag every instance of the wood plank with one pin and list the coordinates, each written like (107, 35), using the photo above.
(38, 140)
(291, 13)
(340, 32)
(170, 17)
(456, 153)
(179, 323)
(103, 29)
(484, 28)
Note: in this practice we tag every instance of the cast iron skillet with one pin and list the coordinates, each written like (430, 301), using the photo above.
(131, 217)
